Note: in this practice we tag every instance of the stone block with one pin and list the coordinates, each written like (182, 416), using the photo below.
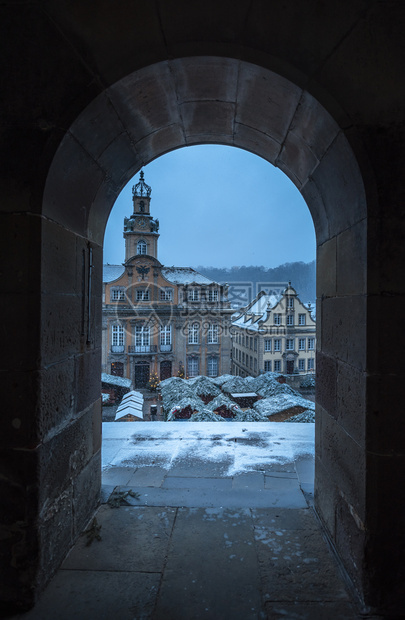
(86, 128)
(256, 142)
(326, 268)
(326, 381)
(160, 142)
(313, 198)
(71, 162)
(344, 329)
(55, 533)
(275, 100)
(345, 462)
(87, 379)
(64, 455)
(326, 496)
(56, 397)
(211, 118)
(59, 274)
(118, 157)
(297, 157)
(350, 539)
(313, 125)
(351, 401)
(61, 321)
(351, 260)
(146, 101)
(339, 182)
(86, 493)
(205, 79)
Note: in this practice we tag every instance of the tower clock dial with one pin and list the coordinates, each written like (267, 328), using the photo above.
(142, 222)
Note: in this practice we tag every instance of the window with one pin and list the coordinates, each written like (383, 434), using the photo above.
(166, 294)
(290, 319)
(311, 343)
(193, 366)
(141, 247)
(141, 206)
(212, 367)
(165, 336)
(301, 365)
(289, 344)
(311, 364)
(117, 294)
(277, 319)
(117, 336)
(267, 366)
(213, 334)
(142, 336)
(243, 358)
(290, 303)
(212, 295)
(255, 367)
(240, 355)
(301, 319)
(267, 344)
(194, 333)
(256, 343)
(301, 344)
(142, 294)
(277, 344)
(250, 362)
(277, 365)
(193, 294)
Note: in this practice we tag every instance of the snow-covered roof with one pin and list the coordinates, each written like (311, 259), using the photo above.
(185, 275)
(114, 380)
(250, 316)
(112, 272)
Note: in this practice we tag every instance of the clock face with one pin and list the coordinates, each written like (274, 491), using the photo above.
(142, 222)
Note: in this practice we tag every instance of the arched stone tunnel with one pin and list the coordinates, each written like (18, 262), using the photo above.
(92, 94)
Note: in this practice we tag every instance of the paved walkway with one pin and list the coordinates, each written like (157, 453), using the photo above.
(225, 531)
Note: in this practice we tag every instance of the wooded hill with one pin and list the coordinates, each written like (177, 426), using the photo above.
(301, 275)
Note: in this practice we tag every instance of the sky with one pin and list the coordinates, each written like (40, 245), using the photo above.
(218, 206)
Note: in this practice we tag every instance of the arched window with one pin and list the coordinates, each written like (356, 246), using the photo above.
(141, 206)
(141, 247)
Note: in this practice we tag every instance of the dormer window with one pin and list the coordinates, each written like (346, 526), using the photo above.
(141, 247)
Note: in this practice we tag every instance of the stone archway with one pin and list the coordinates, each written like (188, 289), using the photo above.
(222, 100)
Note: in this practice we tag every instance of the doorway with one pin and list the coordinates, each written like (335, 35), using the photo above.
(165, 370)
(141, 374)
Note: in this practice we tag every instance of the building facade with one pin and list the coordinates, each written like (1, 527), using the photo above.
(156, 319)
(274, 333)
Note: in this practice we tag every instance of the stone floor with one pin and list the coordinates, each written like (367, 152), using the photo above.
(199, 542)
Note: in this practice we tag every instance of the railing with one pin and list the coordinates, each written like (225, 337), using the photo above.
(147, 348)
(117, 348)
(165, 348)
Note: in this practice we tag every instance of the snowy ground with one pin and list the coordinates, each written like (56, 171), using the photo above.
(237, 446)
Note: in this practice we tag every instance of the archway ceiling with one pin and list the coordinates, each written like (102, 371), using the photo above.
(202, 100)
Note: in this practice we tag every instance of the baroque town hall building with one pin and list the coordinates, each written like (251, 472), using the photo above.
(158, 319)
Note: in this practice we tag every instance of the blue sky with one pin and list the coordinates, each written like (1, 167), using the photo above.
(218, 206)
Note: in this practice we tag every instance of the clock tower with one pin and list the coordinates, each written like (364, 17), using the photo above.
(141, 230)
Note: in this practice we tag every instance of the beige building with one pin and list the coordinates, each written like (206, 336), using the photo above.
(274, 333)
(160, 319)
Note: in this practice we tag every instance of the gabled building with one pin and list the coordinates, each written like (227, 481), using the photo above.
(157, 319)
(274, 333)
